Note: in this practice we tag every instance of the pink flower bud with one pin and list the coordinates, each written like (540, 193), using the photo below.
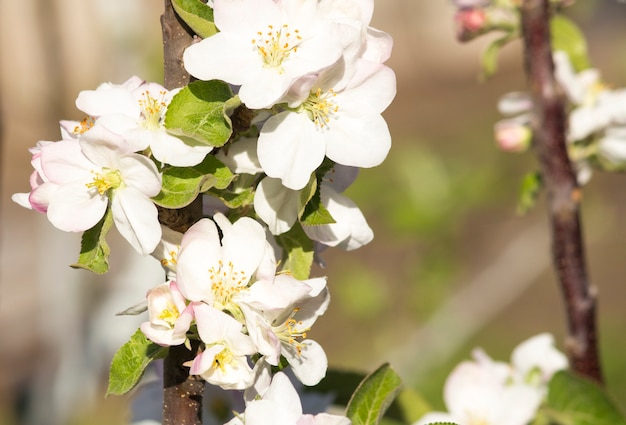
(512, 136)
(469, 23)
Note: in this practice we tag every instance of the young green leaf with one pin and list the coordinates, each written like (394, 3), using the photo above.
(489, 58)
(566, 36)
(298, 252)
(574, 400)
(197, 15)
(181, 185)
(200, 111)
(529, 192)
(130, 361)
(94, 250)
(373, 396)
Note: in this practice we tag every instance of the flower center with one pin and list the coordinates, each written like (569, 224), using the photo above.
(84, 125)
(275, 45)
(169, 314)
(224, 358)
(321, 107)
(291, 332)
(171, 261)
(152, 109)
(105, 180)
(226, 282)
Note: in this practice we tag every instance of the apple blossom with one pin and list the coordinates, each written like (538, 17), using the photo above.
(80, 179)
(264, 46)
(345, 125)
(224, 360)
(170, 317)
(136, 110)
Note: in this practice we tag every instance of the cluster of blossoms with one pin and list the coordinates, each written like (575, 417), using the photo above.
(488, 392)
(596, 132)
(311, 75)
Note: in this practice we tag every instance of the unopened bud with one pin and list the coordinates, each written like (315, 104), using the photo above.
(512, 135)
(470, 23)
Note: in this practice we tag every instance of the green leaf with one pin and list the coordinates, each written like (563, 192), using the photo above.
(197, 15)
(566, 36)
(298, 252)
(200, 111)
(315, 213)
(234, 200)
(181, 185)
(529, 192)
(574, 400)
(94, 250)
(373, 396)
(489, 58)
(130, 361)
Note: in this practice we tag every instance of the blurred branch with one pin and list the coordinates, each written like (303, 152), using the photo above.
(563, 192)
(182, 392)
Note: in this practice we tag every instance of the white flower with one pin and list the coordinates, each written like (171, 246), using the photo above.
(537, 356)
(167, 249)
(264, 46)
(81, 177)
(224, 360)
(345, 125)
(170, 317)
(136, 110)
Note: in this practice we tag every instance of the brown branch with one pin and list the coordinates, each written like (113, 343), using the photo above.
(182, 393)
(563, 192)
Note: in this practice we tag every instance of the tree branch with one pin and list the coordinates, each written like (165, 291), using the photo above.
(563, 192)
(182, 393)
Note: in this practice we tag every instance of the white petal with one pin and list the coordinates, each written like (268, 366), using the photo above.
(244, 245)
(73, 208)
(136, 219)
(276, 205)
(310, 364)
(287, 157)
(140, 173)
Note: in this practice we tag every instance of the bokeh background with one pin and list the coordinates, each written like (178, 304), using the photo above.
(452, 266)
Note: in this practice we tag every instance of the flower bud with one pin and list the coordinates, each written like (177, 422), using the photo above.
(470, 22)
(512, 135)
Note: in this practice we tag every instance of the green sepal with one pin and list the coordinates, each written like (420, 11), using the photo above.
(181, 185)
(130, 361)
(94, 250)
(298, 252)
(199, 111)
(373, 396)
(197, 15)
(566, 36)
(574, 400)
(532, 183)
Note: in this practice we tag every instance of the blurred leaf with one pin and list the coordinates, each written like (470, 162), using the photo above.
(574, 400)
(94, 250)
(200, 111)
(298, 252)
(489, 59)
(130, 361)
(529, 192)
(412, 405)
(197, 15)
(566, 36)
(373, 396)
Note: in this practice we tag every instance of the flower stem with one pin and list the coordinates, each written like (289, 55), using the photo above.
(564, 194)
(182, 393)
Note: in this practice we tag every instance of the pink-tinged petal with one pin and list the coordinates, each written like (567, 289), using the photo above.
(204, 361)
(276, 205)
(359, 142)
(265, 341)
(64, 162)
(108, 99)
(136, 218)
(200, 251)
(310, 364)
(140, 173)
(223, 56)
(287, 157)
(40, 196)
(244, 245)
(73, 208)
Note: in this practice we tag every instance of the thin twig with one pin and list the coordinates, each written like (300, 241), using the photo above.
(564, 194)
(182, 393)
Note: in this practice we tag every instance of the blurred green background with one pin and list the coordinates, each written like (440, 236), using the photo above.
(452, 265)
